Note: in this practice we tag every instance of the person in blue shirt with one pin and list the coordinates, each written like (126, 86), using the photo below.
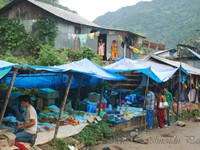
(150, 100)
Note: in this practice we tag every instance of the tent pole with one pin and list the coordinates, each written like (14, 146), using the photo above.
(63, 105)
(8, 95)
(147, 87)
(101, 96)
(179, 92)
(78, 92)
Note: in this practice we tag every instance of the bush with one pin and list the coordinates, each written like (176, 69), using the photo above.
(95, 132)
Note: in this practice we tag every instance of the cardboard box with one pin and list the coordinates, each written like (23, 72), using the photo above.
(93, 97)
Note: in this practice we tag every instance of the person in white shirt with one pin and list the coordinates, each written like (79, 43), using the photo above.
(27, 132)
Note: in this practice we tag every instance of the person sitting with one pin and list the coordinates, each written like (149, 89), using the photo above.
(27, 132)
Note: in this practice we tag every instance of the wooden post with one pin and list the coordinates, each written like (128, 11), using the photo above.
(179, 92)
(147, 87)
(8, 95)
(101, 96)
(62, 106)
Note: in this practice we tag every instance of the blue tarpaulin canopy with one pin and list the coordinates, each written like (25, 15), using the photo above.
(5, 67)
(157, 73)
(57, 76)
(87, 67)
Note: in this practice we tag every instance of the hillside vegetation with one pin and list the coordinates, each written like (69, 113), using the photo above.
(164, 21)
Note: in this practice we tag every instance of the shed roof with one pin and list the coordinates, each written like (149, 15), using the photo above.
(188, 68)
(59, 12)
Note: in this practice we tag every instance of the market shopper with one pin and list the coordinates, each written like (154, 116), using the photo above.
(169, 98)
(150, 100)
(27, 132)
(160, 111)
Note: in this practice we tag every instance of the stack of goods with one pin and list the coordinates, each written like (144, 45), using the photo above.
(48, 97)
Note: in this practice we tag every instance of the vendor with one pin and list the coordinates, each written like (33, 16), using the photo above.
(27, 132)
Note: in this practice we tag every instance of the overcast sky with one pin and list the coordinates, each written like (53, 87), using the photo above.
(91, 9)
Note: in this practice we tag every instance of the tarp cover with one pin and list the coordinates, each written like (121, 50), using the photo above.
(54, 77)
(5, 67)
(87, 67)
(157, 73)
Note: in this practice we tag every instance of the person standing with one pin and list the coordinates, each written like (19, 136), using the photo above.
(27, 132)
(150, 100)
(114, 50)
(159, 110)
(101, 49)
(169, 98)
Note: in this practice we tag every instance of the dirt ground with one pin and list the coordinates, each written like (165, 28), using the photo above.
(168, 138)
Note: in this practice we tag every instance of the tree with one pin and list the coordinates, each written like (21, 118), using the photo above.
(4, 2)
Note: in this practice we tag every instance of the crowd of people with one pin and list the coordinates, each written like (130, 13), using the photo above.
(159, 103)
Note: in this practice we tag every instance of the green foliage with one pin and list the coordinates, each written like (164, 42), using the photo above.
(4, 2)
(12, 34)
(10, 58)
(85, 52)
(94, 132)
(58, 144)
(189, 114)
(49, 56)
(45, 30)
(162, 21)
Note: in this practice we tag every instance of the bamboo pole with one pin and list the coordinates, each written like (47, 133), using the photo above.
(179, 92)
(101, 96)
(8, 95)
(147, 88)
(62, 106)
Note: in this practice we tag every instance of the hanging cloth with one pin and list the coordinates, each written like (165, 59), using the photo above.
(97, 33)
(83, 39)
(91, 36)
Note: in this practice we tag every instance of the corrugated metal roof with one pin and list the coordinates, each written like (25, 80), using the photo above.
(64, 14)
(177, 64)
(125, 31)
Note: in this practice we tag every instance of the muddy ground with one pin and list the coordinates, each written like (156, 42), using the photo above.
(168, 138)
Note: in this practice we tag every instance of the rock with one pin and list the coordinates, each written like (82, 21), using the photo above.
(180, 123)
(141, 139)
(134, 134)
(99, 142)
(197, 119)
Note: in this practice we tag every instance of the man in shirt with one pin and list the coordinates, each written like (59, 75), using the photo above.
(27, 132)
(169, 99)
(150, 100)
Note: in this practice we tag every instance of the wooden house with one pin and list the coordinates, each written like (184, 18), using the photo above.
(74, 31)
(183, 53)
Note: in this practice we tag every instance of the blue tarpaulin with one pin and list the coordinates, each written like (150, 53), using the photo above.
(57, 76)
(157, 73)
(5, 67)
(87, 67)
